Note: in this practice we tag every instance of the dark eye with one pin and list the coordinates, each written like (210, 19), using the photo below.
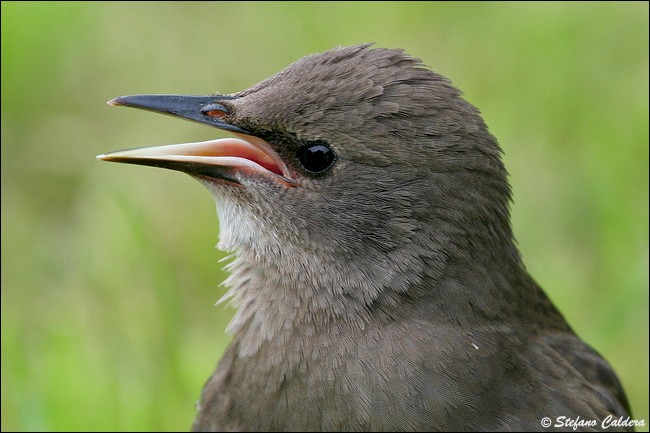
(316, 156)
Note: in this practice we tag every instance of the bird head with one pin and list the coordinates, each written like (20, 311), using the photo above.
(354, 174)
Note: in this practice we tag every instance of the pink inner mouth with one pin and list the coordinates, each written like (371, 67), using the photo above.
(233, 147)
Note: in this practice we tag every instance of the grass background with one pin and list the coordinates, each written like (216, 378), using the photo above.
(109, 272)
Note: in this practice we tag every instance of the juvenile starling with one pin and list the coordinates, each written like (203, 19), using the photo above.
(376, 276)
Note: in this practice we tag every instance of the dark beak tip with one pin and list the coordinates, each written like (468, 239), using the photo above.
(136, 101)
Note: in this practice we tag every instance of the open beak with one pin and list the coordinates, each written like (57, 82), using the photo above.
(219, 159)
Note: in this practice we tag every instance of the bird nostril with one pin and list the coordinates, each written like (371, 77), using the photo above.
(215, 113)
(214, 110)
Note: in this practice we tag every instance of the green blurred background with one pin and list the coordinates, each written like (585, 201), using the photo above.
(109, 274)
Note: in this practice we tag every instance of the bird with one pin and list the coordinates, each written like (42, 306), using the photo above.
(374, 269)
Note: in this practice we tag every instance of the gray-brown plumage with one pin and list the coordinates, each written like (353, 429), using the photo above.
(378, 283)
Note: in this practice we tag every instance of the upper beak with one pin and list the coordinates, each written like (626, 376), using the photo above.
(220, 159)
(204, 109)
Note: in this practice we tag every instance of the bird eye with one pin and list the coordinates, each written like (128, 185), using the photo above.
(316, 157)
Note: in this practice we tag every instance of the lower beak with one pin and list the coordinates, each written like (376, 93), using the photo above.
(220, 159)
